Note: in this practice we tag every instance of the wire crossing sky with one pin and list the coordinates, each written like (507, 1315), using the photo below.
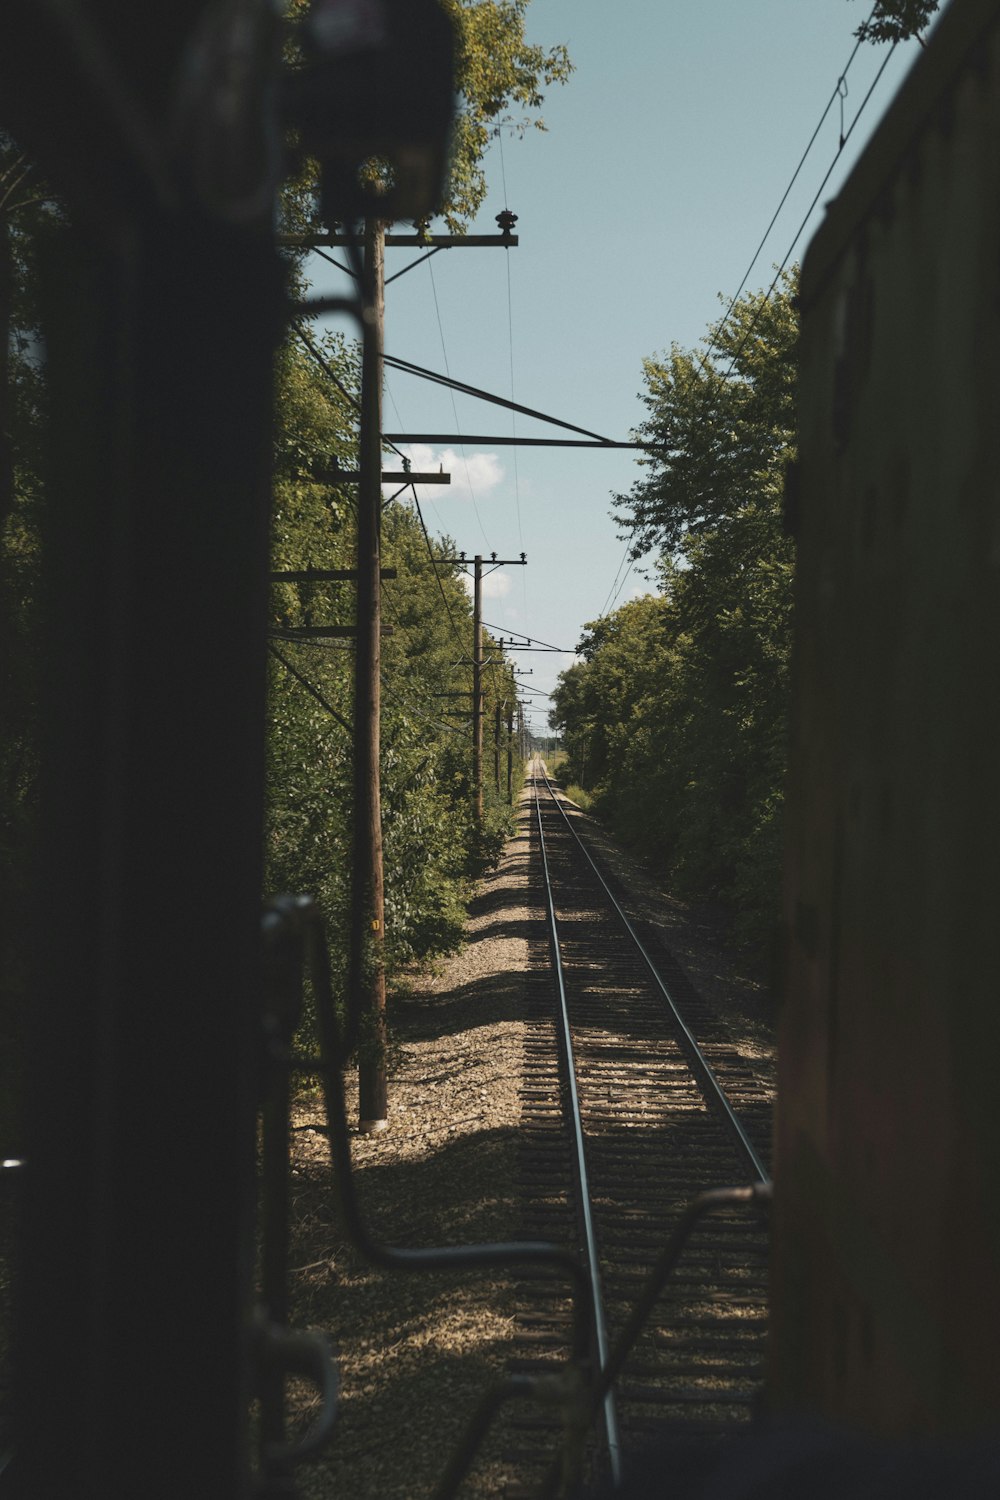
(639, 210)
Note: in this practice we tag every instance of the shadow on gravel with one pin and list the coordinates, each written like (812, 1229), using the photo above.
(497, 901)
(478, 1002)
(416, 1351)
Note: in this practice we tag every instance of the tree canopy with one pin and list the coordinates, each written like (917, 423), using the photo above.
(721, 421)
(675, 715)
(501, 83)
(897, 20)
(501, 79)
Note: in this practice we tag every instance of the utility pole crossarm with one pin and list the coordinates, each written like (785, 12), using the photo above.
(325, 575)
(403, 241)
(391, 476)
(480, 441)
(419, 240)
(494, 562)
(324, 632)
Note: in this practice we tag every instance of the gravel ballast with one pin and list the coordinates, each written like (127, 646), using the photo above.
(415, 1352)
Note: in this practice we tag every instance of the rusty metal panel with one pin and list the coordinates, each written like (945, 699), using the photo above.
(887, 1227)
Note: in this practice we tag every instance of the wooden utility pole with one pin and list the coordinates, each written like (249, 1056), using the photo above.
(497, 727)
(510, 753)
(477, 675)
(366, 969)
(477, 691)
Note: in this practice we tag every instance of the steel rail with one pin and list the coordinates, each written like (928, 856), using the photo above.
(714, 1092)
(608, 1406)
(295, 943)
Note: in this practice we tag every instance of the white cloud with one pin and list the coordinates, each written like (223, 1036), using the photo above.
(495, 585)
(476, 474)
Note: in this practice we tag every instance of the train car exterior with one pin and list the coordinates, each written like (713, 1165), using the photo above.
(887, 1174)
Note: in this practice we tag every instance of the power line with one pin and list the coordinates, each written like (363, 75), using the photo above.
(611, 590)
(510, 346)
(529, 638)
(624, 581)
(788, 253)
(324, 365)
(837, 94)
(434, 569)
(454, 408)
(411, 707)
(450, 383)
(313, 691)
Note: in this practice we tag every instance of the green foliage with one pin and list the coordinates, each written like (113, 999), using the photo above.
(501, 82)
(897, 20)
(501, 79)
(430, 843)
(675, 718)
(721, 422)
(555, 761)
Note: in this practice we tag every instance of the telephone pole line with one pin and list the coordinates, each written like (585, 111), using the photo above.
(477, 672)
(366, 960)
(366, 965)
(477, 692)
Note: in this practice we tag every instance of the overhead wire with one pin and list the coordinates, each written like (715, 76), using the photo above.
(463, 386)
(421, 713)
(324, 365)
(435, 561)
(529, 638)
(313, 691)
(444, 352)
(838, 93)
(788, 253)
(611, 591)
(628, 570)
(510, 345)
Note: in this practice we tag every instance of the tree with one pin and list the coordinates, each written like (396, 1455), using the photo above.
(501, 80)
(499, 73)
(721, 421)
(598, 701)
(678, 707)
(430, 844)
(897, 20)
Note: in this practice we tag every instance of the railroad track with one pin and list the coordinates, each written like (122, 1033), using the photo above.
(647, 1106)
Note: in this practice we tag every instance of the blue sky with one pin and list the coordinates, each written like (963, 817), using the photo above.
(665, 156)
